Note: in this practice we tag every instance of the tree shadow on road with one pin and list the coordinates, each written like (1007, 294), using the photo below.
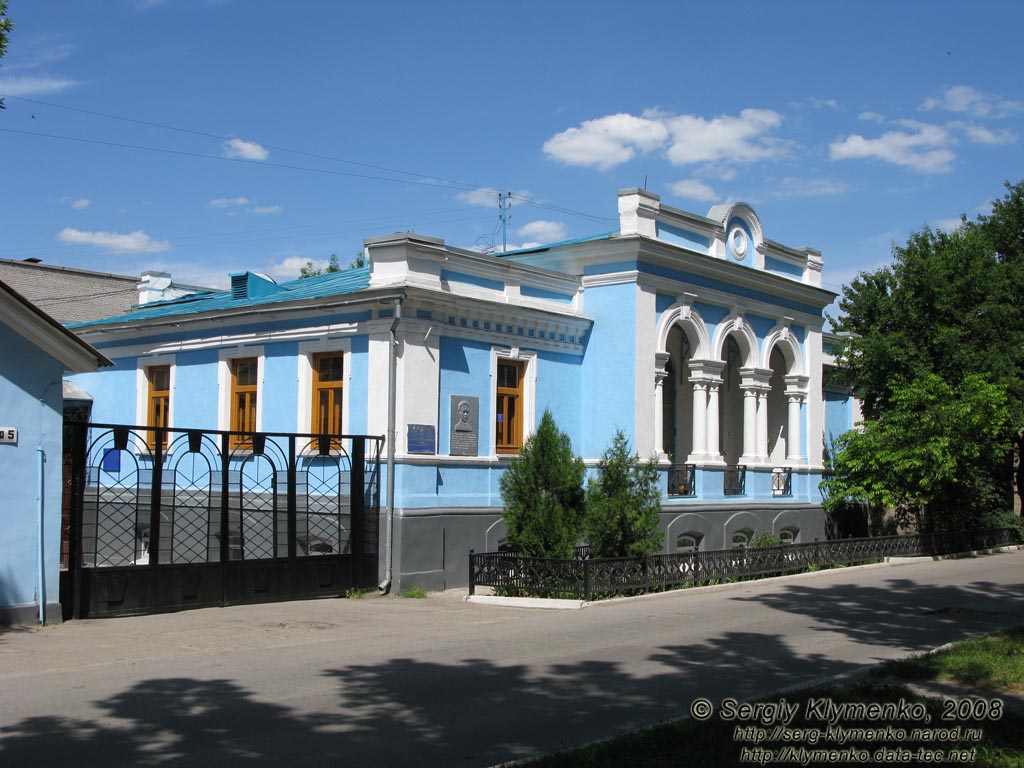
(406, 711)
(902, 613)
(481, 711)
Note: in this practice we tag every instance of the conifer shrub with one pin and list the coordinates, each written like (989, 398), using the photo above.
(623, 503)
(542, 492)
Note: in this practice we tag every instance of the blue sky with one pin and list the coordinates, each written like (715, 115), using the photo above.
(255, 135)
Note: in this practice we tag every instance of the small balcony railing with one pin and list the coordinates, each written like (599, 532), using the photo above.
(782, 481)
(735, 480)
(682, 480)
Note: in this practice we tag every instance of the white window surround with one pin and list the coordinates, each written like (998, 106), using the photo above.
(529, 358)
(142, 366)
(304, 415)
(224, 358)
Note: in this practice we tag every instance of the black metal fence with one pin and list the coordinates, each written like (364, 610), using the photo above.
(682, 480)
(734, 481)
(165, 519)
(583, 578)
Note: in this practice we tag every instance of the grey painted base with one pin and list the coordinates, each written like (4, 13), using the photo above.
(26, 615)
(431, 546)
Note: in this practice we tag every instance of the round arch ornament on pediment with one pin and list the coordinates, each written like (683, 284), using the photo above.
(737, 326)
(787, 344)
(690, 322)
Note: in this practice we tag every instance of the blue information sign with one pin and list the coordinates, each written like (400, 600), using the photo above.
(421, 438)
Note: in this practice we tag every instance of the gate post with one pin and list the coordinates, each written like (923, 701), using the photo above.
(157, 482)
(293, 477)
(225, 528)
(357, 508)
(78, 434)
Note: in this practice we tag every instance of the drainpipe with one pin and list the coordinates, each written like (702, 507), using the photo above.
(389, 520)
(40, 504)
(41, 586)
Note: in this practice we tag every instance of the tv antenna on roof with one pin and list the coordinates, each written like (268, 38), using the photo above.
(504, 204)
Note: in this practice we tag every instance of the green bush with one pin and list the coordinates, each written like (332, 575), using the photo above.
(623, 502)
(542, 491)
(765, 539)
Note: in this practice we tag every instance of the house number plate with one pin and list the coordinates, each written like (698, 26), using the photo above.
(9, 435)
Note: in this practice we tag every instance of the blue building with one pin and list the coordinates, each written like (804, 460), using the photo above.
(36, 353)
(698, 336)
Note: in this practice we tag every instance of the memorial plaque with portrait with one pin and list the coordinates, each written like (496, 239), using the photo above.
(465, 425)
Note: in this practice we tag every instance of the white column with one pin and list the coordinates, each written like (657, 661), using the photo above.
(749, 424)
(714, 441)
(700, 420)
(794, 449)
(762, 425)
(659, 413)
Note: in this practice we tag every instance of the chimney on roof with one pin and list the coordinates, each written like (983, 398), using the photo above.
(152, 285)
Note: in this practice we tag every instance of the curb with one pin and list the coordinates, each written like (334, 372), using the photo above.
(541, 603)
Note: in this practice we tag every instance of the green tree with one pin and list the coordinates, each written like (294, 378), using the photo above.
(951, 305)
(928, 455)
(542, 491)
(311, 271)
(6, 25)
(623, 504)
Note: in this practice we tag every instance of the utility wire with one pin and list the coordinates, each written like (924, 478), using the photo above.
(453, 182)
(415, 178)
(184, 153)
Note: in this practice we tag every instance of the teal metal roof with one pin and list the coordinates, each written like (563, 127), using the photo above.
(330, 284)
(549, 246)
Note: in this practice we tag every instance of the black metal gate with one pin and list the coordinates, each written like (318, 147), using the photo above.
(164, 519)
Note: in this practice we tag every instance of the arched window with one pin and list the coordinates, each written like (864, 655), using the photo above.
(730, 408)
(788, 535)
(741, 538)
(688, 542)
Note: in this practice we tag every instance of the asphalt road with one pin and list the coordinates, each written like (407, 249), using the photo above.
(393, 681)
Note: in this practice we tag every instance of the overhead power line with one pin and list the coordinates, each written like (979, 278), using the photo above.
(419, 179)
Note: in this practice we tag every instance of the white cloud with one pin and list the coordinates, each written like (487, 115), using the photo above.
(228, 202)
(80, 203)
(34, 86)
(794, 187)
(925, 148)
(544, 231)
(483, 197)
(693, 189)
(872, 117)
(240, 149)
(114, 242)
(234, 205)
(289, 267)
(486, 197)
(823, 103)
(978, 134)
(947, 225)
(964, 98)
(726, 138)
(607, 141)
(36, 53)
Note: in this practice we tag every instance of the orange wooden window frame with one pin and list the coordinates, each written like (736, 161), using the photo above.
(334, 391)
(158, 403)
(243, 402)
(508, 410)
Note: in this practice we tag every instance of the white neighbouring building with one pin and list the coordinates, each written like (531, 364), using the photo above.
(698, 336)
